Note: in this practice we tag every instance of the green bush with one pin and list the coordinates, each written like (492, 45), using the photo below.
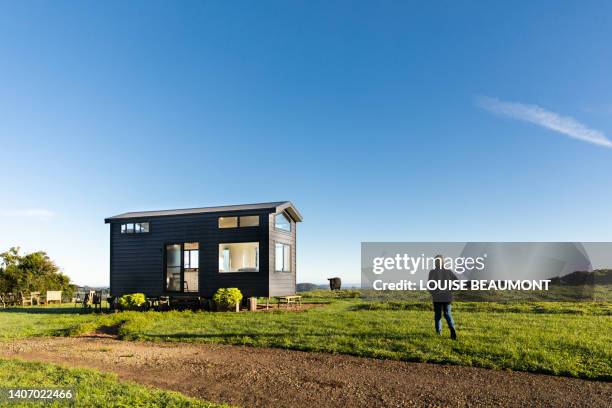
(133, 301)
(227, 298)
(33, 272)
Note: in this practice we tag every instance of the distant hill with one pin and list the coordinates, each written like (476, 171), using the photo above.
(306, 287)
(597, 277)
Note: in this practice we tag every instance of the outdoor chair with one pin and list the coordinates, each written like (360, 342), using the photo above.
(26, 300)
(35, 297)
(88, 299)
(9, 299)
(96, 300)
(2, 301)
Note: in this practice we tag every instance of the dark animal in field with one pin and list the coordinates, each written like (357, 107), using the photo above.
(334, 283)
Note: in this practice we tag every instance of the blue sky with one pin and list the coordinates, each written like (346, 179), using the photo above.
(381, 121)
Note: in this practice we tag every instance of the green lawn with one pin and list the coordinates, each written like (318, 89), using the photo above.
(570, 339)
(92, 388)
(40, 321)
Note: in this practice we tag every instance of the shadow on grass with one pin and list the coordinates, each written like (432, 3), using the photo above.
(47, 310)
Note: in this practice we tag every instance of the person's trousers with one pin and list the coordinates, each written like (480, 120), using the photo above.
(441, 308)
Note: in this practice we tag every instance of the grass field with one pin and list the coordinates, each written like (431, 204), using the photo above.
(569, 338)
(91, 388)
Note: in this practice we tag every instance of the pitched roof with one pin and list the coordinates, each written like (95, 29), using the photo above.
(277, 206)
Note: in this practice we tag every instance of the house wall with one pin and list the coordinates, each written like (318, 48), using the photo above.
(282, 283)
(137, 260)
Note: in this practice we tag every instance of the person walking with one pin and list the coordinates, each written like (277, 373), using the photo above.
(442, 298)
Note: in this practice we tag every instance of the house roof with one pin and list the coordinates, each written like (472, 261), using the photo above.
(276, 206)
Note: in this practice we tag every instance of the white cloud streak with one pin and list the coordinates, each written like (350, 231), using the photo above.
(550, 120)
(28, 213)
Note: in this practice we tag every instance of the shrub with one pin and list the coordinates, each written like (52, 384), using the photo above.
(226, 298)
(132, 302)
(31, 272)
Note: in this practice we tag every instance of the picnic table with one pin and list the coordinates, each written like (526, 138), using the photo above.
(290, 300)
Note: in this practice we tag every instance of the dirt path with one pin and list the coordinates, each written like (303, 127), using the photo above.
(256, 377)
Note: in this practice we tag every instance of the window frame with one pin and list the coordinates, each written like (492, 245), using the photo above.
(290, 230)
(238, 218)
(191, 258)
(137, 228)
(290, 264)
(230, 216)
(258, 257)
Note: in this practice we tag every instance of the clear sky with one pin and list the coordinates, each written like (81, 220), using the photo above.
(381, 121)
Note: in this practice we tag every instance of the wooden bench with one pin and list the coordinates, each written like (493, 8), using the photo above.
(290, 300)
(53, 296)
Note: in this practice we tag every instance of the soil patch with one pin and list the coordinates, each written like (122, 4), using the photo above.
(260, 377)
(291, 308)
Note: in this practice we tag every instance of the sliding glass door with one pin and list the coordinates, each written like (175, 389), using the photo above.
(173, 268)
(191, 263)
(182, 267)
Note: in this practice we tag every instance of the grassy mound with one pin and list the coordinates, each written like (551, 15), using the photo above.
(92, 388)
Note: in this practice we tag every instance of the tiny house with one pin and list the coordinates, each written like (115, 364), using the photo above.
(193, 252)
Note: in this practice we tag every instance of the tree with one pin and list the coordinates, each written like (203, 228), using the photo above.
(31, 272)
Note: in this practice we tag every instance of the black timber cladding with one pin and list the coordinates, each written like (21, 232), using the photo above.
(137, 260)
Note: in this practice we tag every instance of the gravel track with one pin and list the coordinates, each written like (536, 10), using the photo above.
(260, 377)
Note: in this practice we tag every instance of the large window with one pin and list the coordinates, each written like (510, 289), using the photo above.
(135, 228)
(283, 257)
(281, 222)
(182, 277)
(239, 257)
(242, 221)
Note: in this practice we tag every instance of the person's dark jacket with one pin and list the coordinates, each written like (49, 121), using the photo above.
(441, 275)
